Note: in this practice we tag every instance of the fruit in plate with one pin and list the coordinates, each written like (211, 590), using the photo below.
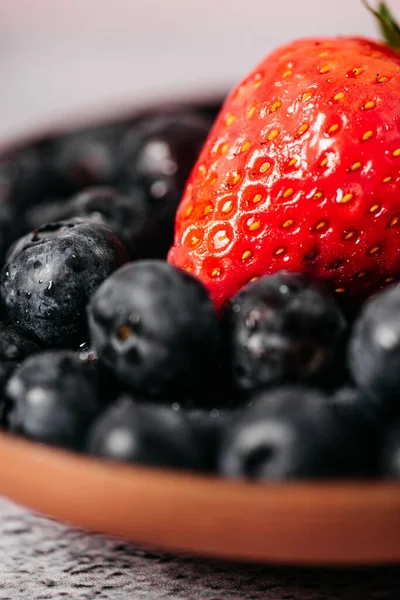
(155, 327)
(374, 351)
(390, 455)
(53, 397)
(301, 171)
(145, 434)
(15, 346)
(84, 158)
(127, 216)
(156, 155)
(52, 272)
(298, 432)
(283, 328)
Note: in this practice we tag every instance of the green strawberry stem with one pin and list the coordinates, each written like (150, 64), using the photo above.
(388, 25)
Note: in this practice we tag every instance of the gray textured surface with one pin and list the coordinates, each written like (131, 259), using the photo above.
(43, 560)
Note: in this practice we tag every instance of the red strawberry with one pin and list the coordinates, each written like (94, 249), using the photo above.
(301, 171)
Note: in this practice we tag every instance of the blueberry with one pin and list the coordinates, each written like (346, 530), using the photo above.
(126, 215)
(26, 177)
(351, 398)
(11, 227)
(46, 231)
(158, 155)
(156, 328)
(297, 432)
(282, 328)
(209, 427)
(86, 157)
(51, 275)
(54, 397)
(374, 351)
(46, 212)
(129, 215)
(162, 147)
(15, 346)
(86, 352)
(144, 434)
(109, 385)
(6, 369)
(390, 454)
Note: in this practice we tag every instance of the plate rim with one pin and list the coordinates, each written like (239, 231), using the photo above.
(323, 522)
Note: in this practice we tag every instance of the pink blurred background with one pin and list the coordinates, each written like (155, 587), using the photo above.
(74, 57)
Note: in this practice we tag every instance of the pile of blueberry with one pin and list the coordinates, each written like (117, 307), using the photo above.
(107, 349)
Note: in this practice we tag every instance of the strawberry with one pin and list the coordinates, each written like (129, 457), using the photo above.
(301, 171)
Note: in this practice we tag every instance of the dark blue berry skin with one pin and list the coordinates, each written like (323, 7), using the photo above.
(86, 157)
(208, 427)
(54, 397)
(46, 231)
(282, 328)
(144, 434)
(86, 352)
(11, 227)
(55, 169)
(156, 328)
(26, 177)
(157, 155)
(297, 433)
(374, 351)
(51, 274)
(351, 398)
(390, 452)
(162, 147)
(6, 370)
(127, 216)
(15, 346)
(49, 211)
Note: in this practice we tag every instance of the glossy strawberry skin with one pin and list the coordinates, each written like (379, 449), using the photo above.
(301, 171)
